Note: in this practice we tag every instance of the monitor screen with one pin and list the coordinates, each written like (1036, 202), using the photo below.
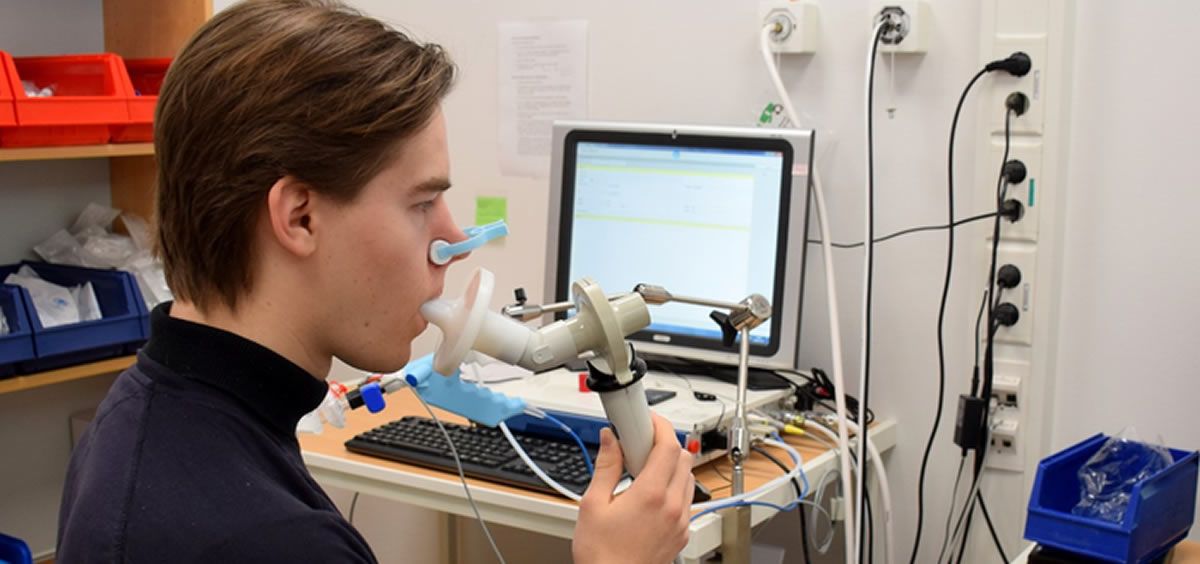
(704, 216)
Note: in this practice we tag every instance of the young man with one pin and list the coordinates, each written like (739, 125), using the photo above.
(302, 160)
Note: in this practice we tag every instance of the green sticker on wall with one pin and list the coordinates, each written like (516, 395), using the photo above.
(490, 208)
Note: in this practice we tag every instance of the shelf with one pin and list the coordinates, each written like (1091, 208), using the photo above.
(79, 372)
(76, 152)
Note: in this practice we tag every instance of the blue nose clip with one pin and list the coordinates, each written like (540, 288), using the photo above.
(442, 252)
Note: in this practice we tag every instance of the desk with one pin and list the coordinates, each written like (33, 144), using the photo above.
(331, 464)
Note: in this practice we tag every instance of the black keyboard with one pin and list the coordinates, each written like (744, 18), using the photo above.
(484, 452)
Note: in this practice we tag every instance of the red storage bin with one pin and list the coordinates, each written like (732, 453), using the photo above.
(91, 95)
(146, 78)
(8, 112)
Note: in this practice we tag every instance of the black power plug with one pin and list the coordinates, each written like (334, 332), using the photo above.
(1008, 277)
(1006, 314)
(1012, 210)
(1017, 103)
(1017, 64)
(1014, 171)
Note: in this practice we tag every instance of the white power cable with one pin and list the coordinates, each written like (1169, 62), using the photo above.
(881, 478)
(835, 335)
(868, 257)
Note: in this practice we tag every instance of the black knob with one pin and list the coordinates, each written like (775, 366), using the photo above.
(1017, 102)
(728, 333)
(519, 294)
(1012, 210)
(1014, 172)
(1006, 314)
(1008, 276)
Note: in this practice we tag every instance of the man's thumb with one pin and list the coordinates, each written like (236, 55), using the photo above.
(609, 462)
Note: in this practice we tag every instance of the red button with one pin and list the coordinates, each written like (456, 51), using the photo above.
(693, 446)
(583, 387)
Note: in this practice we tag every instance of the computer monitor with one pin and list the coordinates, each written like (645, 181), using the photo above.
(707, 212)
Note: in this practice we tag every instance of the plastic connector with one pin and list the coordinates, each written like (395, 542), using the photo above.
(452, 394)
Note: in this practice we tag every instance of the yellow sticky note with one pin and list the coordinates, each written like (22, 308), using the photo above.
(490, 208)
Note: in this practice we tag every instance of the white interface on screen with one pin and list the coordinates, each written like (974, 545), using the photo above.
(701, 222)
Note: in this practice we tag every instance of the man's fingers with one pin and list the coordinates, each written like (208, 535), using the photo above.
(682, 485)
(664, 457)
(609, 465)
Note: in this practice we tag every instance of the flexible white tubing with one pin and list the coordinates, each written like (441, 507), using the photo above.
(533, 466)
(835, 335)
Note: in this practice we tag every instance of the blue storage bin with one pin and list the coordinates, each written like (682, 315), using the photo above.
(120, 324)
(16, 347)
(1160, 513)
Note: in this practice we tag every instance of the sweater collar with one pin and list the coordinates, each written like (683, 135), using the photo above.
(269, 384)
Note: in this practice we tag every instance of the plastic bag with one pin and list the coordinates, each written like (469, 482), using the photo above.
(1107, 479)
(94, 215)
(55, 305)
(60, 248)
(106, 250)
(3, 324)
(151, 279)
(85, 297)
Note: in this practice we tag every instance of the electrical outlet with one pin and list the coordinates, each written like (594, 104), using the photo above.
(915, 21)
(797, 25)
(1032, 84)
(1022, 296)
(1008, 382)
(1029, 152)
(1006, 445)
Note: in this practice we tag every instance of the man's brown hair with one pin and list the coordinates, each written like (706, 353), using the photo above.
(268, 88)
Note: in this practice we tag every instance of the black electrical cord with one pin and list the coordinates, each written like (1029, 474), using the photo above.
(989, 364)
(910, 231)
(991, 528)
(821, 392)
(353, 503)
(799, 492)
(941, 323)
(863, 430)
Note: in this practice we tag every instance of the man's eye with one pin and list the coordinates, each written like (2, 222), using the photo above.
(425, 206)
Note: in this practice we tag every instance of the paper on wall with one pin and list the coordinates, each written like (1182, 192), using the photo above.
(543, 77)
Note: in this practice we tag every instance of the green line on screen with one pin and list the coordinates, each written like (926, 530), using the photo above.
(648, 170)
(671, 222)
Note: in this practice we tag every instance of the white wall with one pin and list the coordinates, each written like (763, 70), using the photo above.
(1132, 265)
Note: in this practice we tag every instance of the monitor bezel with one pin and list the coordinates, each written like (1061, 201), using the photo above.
(676, 140)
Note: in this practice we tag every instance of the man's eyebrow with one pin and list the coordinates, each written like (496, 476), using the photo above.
(433, 185)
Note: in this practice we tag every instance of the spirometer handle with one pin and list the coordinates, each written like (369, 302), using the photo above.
(629, 413)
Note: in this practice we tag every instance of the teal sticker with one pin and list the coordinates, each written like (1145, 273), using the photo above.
(1032, 185)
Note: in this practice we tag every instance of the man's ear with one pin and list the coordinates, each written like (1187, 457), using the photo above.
(290, 207)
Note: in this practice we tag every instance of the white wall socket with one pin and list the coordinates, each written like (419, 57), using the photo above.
(1032, 84)
(798, 25)
(1006, 448)
(915, 25)
(1027, 192)
(1022, 296)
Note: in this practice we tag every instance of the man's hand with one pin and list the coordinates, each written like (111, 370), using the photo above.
(648, 523)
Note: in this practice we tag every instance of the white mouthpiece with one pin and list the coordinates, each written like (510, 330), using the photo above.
(467, 324)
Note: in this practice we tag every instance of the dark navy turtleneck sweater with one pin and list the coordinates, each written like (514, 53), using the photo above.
(192, 457)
